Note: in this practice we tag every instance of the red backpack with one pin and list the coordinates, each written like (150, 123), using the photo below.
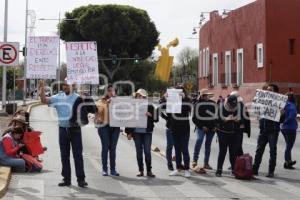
(243, 167)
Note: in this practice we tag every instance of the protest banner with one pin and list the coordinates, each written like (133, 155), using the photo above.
(42, 57)
(268, 104)
(174, 101)
(82, 62)
(128, 112)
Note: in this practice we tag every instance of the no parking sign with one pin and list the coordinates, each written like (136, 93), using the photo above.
(9, 53)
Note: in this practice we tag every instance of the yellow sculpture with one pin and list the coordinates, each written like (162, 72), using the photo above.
(165, 61)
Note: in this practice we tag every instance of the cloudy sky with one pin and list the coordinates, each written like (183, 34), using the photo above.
(173, 18)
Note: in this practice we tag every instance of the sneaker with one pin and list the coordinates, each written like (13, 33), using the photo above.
(170, 167)
(82, 184)
(200, 171)
(270, 175)
(207, 166)
(104, 173)
(187, 174)
(194, 164)
(64, 183)
(175, 173)
(141, 174)
(150, 174)
(293, 162)
(219, 173)
(114, 173)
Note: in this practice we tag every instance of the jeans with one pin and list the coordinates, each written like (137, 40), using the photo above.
(240, 136)
(143, 142)
(109, 137)
(71, 137)
(289, 137)
(200, 137)
(170, 145)
(181, 144)
(227, 141)
(262, 141)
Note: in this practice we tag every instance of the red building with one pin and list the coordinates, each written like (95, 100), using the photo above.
(251, 46)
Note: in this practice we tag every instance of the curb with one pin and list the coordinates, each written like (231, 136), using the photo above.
(5, 176)
(35, 104)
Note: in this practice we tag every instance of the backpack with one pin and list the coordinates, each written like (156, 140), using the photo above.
(243, 167)
(32, 164)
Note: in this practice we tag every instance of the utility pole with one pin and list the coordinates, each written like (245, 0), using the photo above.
(25, 55)
(4, 67)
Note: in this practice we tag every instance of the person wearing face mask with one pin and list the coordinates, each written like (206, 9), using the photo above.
(69, 133)
(143, 137)
(109, 136)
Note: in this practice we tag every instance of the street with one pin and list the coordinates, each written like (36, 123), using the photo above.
(35, 186)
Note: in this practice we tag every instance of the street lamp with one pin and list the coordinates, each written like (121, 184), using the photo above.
(59, 32)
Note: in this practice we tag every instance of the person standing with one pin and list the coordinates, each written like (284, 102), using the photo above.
(109, 136)
(204, 118)
(228, 125)
(69, 133)
(289, 130)
(143, 137)
(169, 135)
(269, 131)
(180, 126)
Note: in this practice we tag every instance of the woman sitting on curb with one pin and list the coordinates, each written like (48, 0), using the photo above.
(9, 150)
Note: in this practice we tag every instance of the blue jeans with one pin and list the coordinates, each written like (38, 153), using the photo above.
(71, 137)
(262, 141)
(170, 145)
(143, 143)
(17, 164)
(200, 137)
(181, 144)
(109, 137)
(289, 137)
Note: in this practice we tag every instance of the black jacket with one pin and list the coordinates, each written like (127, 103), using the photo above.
(179, 122)
(150, 120)
(80, 111)
(205, 114)
(162, 110)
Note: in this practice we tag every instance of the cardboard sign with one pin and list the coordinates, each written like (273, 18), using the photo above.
(268, 104)
(82, 63)
(174, 101)
(128, 112)
(42, 57)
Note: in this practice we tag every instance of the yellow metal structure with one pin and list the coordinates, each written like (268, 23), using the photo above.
(165, 61)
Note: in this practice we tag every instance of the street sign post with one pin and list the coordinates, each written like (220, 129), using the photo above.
(9, 54)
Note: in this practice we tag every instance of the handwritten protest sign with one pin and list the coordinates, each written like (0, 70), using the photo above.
(42, 55)
(174, 101)
(268, 104)
(82, 63)
(128, 112)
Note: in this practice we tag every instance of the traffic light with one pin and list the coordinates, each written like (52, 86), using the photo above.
(114, 59)
(136, 59)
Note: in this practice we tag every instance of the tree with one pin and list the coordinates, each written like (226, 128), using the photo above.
(119, 30)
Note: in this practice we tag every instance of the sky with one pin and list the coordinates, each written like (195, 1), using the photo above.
(173, 18)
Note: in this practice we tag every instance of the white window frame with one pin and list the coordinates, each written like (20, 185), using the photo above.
(239, 80)
(207, 62)
(227, 68)
(215, 75)
(260, 57)
(203, 62)
(200, 64)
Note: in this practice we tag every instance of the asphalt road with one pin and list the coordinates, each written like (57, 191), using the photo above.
(286, 184)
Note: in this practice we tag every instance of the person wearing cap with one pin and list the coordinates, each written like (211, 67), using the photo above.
(204, 118)
(143, 137)
(269, 132)
(289, 130)
(20, 121)
(246, 126)
(180, 126)
(109, 136)
(229, 122)
(10, 146)
(69, 133)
